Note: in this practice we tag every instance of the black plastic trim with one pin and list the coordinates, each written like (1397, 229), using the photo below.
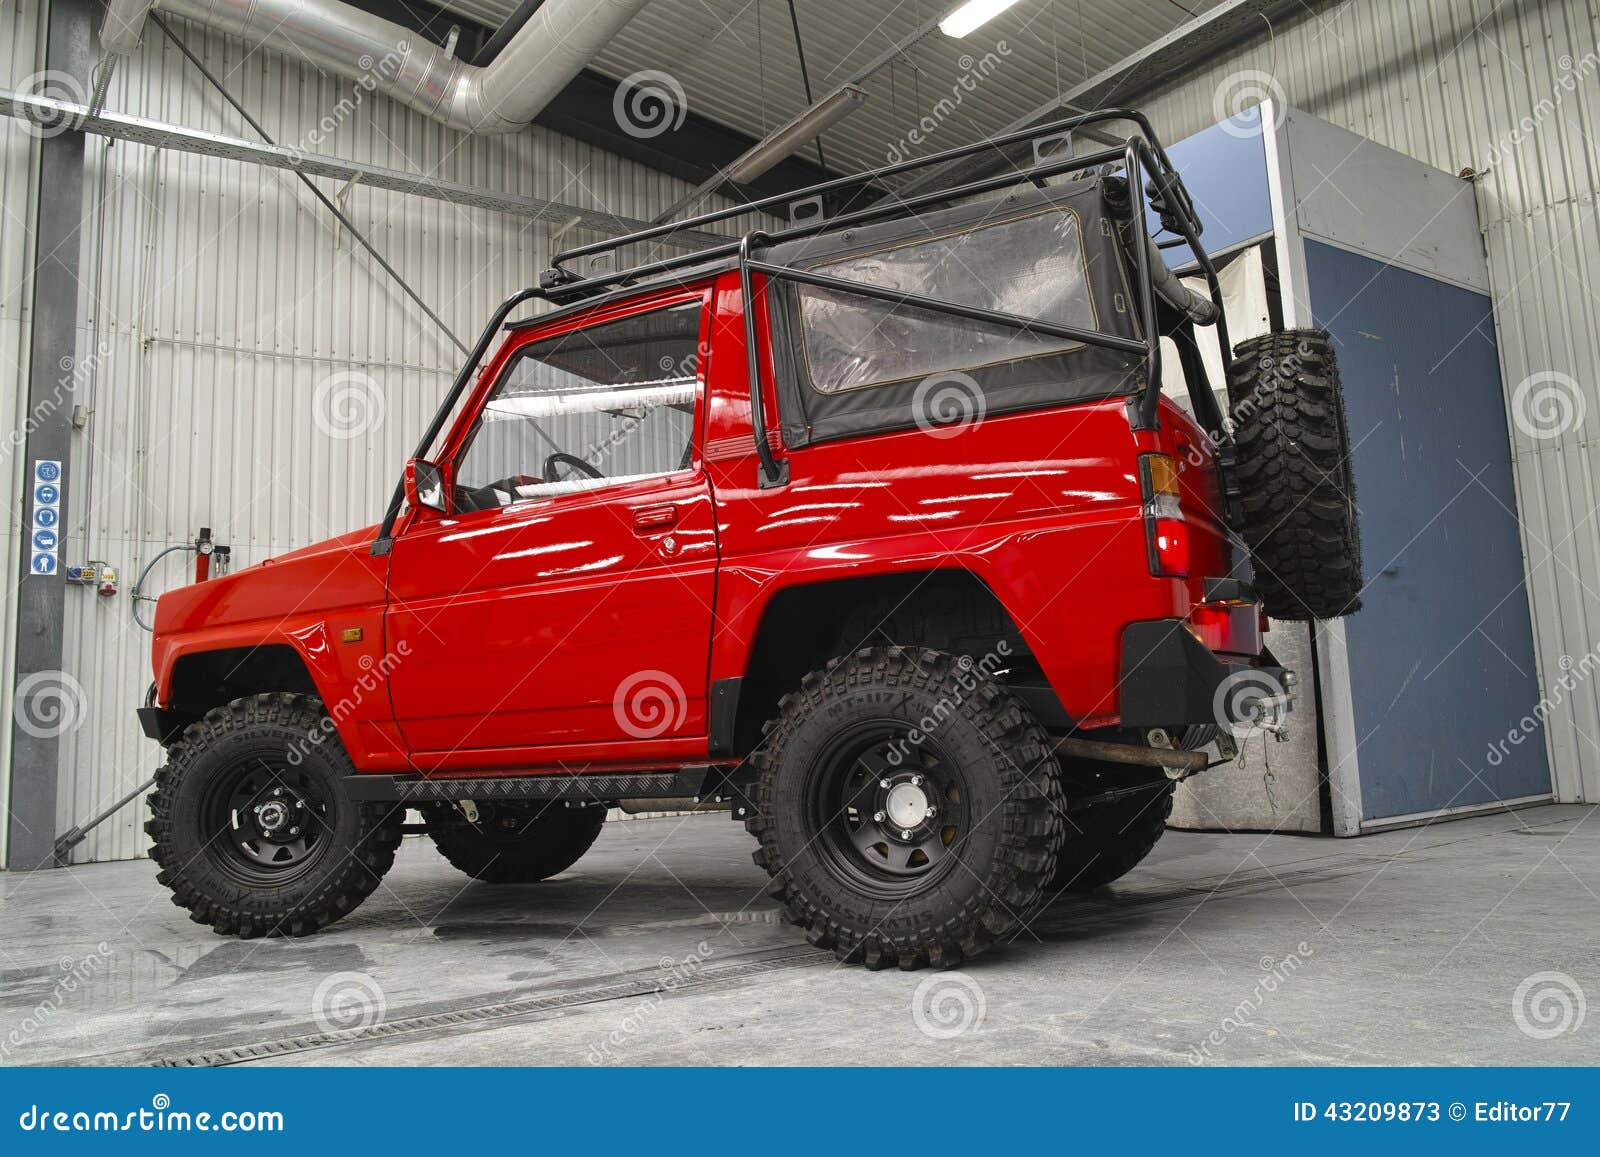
(724, 714)
(1228, 590)
(1170, 678)
(162, 725)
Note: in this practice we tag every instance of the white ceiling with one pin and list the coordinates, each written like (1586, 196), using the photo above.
(735, 61)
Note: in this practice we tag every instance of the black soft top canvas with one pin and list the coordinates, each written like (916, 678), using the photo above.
(848, 366)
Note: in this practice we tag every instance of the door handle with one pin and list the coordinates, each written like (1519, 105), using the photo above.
(649, 518)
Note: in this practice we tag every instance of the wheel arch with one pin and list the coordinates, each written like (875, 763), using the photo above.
(803, 625)
(201, 679)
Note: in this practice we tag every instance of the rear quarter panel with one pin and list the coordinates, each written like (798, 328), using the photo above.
(1044, 507)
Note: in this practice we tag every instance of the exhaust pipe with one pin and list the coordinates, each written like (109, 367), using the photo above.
(500, 97)
(1172, 759)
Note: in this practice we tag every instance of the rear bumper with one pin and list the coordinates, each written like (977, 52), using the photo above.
(1171, 678)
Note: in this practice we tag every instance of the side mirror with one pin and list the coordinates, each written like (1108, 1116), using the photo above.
(425, 485)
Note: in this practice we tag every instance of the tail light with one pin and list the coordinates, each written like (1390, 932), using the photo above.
(1166, 532)
(1171, 547)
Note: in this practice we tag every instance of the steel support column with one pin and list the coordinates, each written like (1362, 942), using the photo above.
(53, 323)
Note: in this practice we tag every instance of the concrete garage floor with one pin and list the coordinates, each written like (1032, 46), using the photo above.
(661, 948)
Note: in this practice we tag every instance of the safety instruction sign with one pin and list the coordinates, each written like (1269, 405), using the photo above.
(45, 525)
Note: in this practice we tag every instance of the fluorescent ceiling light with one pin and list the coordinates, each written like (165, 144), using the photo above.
(973, 14)
(788, 139)
(781, 143)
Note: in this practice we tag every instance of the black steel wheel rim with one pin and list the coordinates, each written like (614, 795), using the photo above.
(887, 813)
(266, 822)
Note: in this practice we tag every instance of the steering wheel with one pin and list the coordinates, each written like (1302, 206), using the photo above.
(561, 459)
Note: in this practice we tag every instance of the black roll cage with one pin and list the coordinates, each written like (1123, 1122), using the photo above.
(1138, 155)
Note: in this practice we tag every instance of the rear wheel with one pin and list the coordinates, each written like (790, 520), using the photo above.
(1295, 497)
(907, 808)
(514, 843)
(251, 825)
(1108, 840)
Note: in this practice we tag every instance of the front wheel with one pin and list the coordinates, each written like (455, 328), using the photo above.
(907, 808)
(252, 828)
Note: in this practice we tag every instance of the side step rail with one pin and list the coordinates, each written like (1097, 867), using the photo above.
(698, 782)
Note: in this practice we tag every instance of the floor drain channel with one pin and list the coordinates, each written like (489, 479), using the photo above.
(501, 1010)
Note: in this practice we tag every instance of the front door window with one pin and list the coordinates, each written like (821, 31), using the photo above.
(593, 407)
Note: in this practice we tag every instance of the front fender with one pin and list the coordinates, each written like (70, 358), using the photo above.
(350, 679)
(325, 604)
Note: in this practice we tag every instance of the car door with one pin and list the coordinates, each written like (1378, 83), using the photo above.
(561, 610)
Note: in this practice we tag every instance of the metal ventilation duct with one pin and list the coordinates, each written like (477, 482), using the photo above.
(502, 96)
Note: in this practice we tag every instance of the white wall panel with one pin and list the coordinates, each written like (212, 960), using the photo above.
(1510, 89)
(230, 312)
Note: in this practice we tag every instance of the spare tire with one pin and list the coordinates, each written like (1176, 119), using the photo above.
(1292, 494)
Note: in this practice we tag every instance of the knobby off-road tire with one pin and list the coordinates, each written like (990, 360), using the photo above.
(1295, 502)
(515, 843)
(253, 831)
(851, 759)
(1107, 841)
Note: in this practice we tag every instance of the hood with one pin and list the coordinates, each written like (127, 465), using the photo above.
(335, 574)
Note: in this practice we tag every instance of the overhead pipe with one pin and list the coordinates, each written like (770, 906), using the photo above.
(557, 41)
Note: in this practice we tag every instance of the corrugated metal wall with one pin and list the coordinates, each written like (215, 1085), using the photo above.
(248, 368)
(1511, 90)
(21, 57)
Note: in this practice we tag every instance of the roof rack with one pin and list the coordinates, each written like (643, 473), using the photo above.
(1052, 156)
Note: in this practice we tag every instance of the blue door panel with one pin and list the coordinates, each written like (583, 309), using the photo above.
(1441, 655)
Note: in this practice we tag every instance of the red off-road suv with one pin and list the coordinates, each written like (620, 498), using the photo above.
(875, 525)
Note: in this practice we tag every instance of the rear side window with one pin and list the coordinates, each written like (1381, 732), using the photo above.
(1030, 266)
(591, 407)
